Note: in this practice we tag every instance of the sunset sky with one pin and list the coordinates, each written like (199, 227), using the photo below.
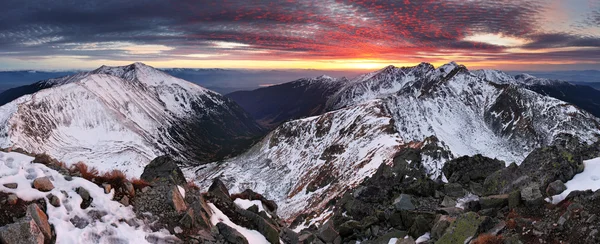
(320, 34)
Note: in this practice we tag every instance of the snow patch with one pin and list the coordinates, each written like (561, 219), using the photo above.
(589, 179)
(252, 236)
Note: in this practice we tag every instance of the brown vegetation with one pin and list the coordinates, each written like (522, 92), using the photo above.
(488, 239)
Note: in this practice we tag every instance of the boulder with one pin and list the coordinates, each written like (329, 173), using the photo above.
(454, 190)
(462, 229)
(440, 226)
(40, 218)
(532, 195)
(54, 200)
(494, 201)
(43, 184)
(327, 232)
(107, 187)
(124, 201)
(470, 168)
(85, 196)
(163, 168)
(448, 202)
(231, 234)
(129, 189)
(555, 188)
(218, 189)
(404, 202)
(514, 199)
(25, 230)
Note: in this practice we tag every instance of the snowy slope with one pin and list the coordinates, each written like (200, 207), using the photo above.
(111, 227)
(123, 117)
(304, 163)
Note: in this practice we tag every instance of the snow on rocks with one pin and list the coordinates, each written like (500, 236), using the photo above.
(104, 221)
(252, 236)
(589, 179)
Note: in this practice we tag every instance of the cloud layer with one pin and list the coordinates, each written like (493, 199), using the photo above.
(408, 30)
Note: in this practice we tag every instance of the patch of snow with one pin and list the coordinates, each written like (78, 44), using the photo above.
(424, 238)
(245, 204)
(589, 179)
(469, 197)
(181, 190)
(252, 236)
(17, 168)
(393, 240)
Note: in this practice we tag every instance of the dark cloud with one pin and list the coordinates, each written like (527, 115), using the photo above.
(286, 29)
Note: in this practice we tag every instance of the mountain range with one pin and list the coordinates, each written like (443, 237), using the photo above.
(327, 134)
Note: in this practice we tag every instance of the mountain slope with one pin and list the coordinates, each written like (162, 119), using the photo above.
(272, 105)
(450, 110)
(124, 117)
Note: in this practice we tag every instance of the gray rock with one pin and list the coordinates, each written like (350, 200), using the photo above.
(448, 202)
(129, 189)
(555, 188)
(218, 189)
(11, 185)
(404, 202)
(24, 231)
(466, 169)
(532, 195)
(514, 199)
(124, 201)
(440, 226)
(327, 232)
(231, 234)
(163, 168)
(54, 200)
(454, 190)
(494, 201)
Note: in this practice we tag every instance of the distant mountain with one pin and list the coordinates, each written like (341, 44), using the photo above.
(272, 105)
(441, 113)
(579, 94)
(124, 117)
(595, 85)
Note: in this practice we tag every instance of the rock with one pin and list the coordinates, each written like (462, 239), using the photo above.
(40, 218)
(347, 228)
(12, 199)
(555, 188)
(327, 233)
(85, 195)
(591, 219)
(231, 234)
(464, 227)
(43, 184)
(494, 201)
(129, 189)
(54, 200)
(532, 195)
(219, 189)
(176, 200)
(505, 180)
(448, 202)
(25, 230)
(466, 169)
(452, 211)
(124, 201)
(288, 236)
(454, 190)
(440, 226)
(472, 206)
(308, 238)
(11, 185)
(514, 199)
(79, 222)
(421, 225)
(107, 188)
(163, 168)
(404, 202)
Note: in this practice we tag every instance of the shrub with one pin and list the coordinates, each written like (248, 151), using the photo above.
(115, 177)
(139, 183)
(86, 172)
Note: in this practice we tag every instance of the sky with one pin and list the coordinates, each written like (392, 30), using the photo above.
(309, 34)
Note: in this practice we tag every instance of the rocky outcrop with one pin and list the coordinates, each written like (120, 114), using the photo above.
(163, 168)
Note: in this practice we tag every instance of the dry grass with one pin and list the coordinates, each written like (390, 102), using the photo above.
(488, 239)
(139, 183)
(192, 185)
(116, 178)
(88, 173)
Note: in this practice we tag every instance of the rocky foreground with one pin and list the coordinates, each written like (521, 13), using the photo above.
(480, 201)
